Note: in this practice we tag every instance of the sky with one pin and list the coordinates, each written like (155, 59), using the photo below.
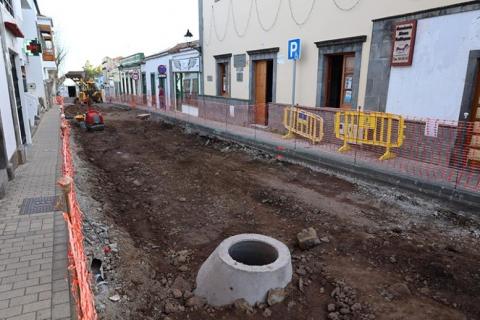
(93, 29)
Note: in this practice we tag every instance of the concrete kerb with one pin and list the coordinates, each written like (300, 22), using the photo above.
(337, 164)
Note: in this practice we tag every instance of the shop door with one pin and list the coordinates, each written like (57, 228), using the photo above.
(178, 90)
(144, 88)
(153, 88)
(473, 140)
(17, 98)
(261, 111)
(162, 96)
(339, 80)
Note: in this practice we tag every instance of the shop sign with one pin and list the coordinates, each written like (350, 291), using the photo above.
(404, 43)
(186, 65)
(135, 59)
(162, 71)
(135, 75)
(32, 47)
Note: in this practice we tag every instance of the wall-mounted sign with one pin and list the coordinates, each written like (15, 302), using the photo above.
(32, 47)
(240, 61)
(186, 65)
(162, 71)
(404, 43)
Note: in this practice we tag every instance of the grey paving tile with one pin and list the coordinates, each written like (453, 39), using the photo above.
(31, 245)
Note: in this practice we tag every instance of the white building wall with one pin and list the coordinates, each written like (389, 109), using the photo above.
(272, 25)
(151, 66)
(6, 112)
(433, 86)
(33, 65)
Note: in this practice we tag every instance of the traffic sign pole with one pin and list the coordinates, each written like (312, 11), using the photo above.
(294, 53)
(294, 81)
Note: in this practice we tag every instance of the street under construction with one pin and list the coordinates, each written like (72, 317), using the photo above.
(159, 198)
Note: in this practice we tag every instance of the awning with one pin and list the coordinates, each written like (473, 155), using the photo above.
(14, 29)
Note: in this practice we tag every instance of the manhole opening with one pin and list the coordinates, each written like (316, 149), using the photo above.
(38, 205)
(253, 253)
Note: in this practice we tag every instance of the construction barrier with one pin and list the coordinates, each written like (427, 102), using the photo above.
(303, 123)
(372, 128)
(79, 272)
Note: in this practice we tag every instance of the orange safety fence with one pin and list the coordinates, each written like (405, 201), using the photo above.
(79, 272)
(441, 152)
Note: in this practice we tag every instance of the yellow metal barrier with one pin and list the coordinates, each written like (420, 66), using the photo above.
(371, 128)
(305, 124)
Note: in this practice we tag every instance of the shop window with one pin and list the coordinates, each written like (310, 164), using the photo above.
(339, 80)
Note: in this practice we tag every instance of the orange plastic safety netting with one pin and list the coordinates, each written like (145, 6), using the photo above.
(80, 275)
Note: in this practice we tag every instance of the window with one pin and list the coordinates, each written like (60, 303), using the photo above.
(8, 5)
(223, 78)
(223, 74)
(339, 80)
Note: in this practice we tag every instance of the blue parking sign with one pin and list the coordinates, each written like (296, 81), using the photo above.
(294, 49)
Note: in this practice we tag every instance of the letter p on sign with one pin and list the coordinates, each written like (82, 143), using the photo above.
(294, 49)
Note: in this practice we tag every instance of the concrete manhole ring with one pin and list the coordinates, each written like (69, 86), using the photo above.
(244, 266)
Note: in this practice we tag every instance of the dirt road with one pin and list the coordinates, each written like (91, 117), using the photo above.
(164, 199)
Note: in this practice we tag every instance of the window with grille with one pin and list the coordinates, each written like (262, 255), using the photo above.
(8, 5)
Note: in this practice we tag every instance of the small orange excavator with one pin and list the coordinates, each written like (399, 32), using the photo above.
(92, 120)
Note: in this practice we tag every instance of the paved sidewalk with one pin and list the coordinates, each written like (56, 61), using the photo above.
(434, 180)
(33, 247)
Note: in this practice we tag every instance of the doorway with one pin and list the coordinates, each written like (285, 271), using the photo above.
(18, 98)
(162, 96)
(153, 90)
(339, 80)
(473, 136)
(263, 89)
(72, 91)
(144, 88)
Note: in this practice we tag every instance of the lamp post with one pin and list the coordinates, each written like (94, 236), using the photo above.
(188, 36)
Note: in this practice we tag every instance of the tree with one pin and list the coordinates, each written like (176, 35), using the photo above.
(91, 72)
(60, 55)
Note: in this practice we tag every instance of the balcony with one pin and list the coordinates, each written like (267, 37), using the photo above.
(47, 42)
(48, 54)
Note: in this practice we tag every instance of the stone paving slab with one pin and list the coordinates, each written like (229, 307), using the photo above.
(33, 248)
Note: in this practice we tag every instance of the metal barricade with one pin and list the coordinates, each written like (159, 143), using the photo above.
(303, 123)
(370, 128)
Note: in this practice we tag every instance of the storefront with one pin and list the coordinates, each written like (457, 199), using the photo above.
(130, 75)
(156, 72)
(172, 78)
(186, 75)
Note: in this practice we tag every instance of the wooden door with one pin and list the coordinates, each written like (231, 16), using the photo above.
(347, 81)
(473, 141)
(261, 92)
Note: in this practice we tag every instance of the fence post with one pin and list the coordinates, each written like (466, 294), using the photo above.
(66, 184)
(388, 154)
(346, 125)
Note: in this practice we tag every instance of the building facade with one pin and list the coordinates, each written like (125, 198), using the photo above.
(173, 78)
(131, 82)
(347, 55)
(24, 80)
(111, 76)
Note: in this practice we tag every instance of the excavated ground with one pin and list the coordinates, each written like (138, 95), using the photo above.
(163, 199)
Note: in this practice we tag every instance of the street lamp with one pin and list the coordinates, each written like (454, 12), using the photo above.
(187, 37)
